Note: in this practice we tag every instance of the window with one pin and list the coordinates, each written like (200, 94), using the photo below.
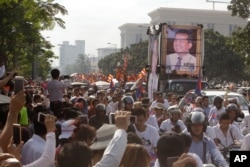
(232, 27)
(210, 26)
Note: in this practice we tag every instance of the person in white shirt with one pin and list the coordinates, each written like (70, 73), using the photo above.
(245, 124)
(48, 157)
(226, 134)
(173, 123)
(151, 118)
(232, 111)
(159, 99)
(246, 143)
(55, 89)
(214, 114)
(115, 148)
(147, 133)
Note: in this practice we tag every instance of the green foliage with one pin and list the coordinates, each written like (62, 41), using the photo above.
(221, 62)
(240, 8)
(21, 42)
(138, 59)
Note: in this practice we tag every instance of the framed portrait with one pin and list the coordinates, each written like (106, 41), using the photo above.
(181, 49)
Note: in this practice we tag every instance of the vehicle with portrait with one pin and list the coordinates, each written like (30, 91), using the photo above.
(241, 100)
(175, 58)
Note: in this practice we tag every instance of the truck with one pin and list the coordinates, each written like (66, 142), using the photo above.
(175, 58)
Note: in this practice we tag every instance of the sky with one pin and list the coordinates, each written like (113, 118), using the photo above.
(98, 21)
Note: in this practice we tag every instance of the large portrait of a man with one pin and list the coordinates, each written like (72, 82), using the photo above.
(181, 51)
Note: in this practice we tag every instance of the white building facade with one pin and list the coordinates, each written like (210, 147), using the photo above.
(220, 21)
(69, 53)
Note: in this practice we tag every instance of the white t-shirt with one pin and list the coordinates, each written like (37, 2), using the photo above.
(152, 121)
(153, 105)
(167, 125)
(232, 134)
(213, 117)
(149, 137)
(246, 143)
(245, 125)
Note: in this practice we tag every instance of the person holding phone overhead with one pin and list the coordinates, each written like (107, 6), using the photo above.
(181, 60)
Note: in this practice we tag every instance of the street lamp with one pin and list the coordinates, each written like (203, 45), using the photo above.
(113, 45)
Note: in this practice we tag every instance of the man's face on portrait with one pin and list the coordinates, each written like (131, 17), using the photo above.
(181, 43)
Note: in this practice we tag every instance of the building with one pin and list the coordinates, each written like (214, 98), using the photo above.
(93, 63)
(132, 33)
(69, 53)
(220, 21)
(102, 52)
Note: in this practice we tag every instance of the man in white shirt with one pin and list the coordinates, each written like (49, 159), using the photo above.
(181, 60)
(245, 124)
(226, 134)
(56, 90)
(34, 147)
(159, 99)
(246, 143)
(147, 133)
(214, 114)
(151, 118)
(173, 123)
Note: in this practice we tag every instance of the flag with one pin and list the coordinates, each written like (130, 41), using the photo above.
(198, 85)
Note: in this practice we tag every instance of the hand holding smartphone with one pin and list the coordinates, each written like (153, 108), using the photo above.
(19, 84)
(17, 134)
(41, 117)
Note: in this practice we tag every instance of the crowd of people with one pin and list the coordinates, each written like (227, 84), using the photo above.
(79, 130)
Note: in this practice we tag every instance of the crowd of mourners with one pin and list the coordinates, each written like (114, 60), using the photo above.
(79, 131)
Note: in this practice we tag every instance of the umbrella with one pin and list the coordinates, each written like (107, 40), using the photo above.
(102, 84)
(77, 84)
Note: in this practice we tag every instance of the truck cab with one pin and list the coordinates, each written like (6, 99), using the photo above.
(181, 86)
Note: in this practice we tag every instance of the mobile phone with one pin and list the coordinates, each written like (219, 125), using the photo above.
(17, 133)
(171, 160)
(18, 84)
(133, 119)
(41, 117)
(83, 119)
(112, 118)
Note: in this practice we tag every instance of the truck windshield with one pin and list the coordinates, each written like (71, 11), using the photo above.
(181, 87)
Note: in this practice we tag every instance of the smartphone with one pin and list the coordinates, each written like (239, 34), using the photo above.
(83, 119)
(18, 84)
(133, 119)
(41, 117)
(112, 118)
(17, 134)
(171, 160)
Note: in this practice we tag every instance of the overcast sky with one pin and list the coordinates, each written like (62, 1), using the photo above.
(97, 21)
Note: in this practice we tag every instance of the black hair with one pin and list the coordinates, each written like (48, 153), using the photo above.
(76, 154)
(224, 116)
(170, 144)
(133, 138)
(139, 112)
(55, 73)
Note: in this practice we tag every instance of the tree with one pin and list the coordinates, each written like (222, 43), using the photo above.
(138, 59)
(220, 60)
(21, 22)
(240, 8)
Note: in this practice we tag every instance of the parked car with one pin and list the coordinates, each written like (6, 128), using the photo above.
(242, 101)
